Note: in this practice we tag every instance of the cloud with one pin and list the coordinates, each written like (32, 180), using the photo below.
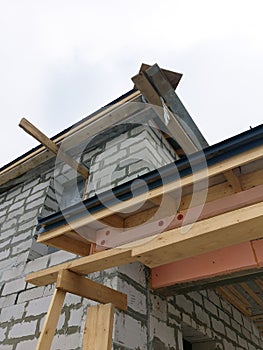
(61, 60)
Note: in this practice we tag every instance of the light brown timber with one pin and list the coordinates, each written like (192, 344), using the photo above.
(71, 282)
(53, 147)
(51, 320)
(98, 328)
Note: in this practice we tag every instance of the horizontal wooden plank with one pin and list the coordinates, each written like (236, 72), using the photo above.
(73, 283)
(223, 230)
(92, 263)
(208, 266)
(70, 244)
(111, 237)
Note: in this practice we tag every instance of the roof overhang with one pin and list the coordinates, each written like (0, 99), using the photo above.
(94, 216)
(157, 86)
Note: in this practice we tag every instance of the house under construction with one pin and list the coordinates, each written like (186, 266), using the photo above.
(127, 231)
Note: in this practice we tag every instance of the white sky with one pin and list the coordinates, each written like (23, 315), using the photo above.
(63, 59)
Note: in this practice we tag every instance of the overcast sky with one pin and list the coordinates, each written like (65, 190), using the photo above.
(62, 59)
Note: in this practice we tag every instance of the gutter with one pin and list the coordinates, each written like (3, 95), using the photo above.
(213, 154)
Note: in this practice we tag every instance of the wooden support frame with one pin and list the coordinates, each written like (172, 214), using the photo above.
(228, 164)
(115, 237)
(91, 263)
(99, 322)
(223, 230)
(71, 282)
(98, 328)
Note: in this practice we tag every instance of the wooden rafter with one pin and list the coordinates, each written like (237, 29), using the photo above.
(259, 283)
(229, 296)
(252, 294)
(238, 295)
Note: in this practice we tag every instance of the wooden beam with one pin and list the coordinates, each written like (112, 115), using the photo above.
(114, 221)
(92, 263)
(98, 328)
(223, 230)
(216, 194)
(179, 113)
(173, 77)
(252, 179)
(51, 320)
(257, 317)
(233, 181)
(259, 282)
(252, 294)
(139, 218)
(234, 300)
(71, 245)
(213, 170)
(209, 268)
(166, 220)
(71, 282)
(98, 121)
(238, 295)
(174, 127)
(161, 83)
(53, 147)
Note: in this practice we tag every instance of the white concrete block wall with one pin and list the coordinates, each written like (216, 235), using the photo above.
(127, 156)
(151, 321)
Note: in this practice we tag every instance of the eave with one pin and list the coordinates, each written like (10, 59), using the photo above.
(231, 154)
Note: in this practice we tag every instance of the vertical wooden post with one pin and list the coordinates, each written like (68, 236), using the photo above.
(51, 321)
(98, 328)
